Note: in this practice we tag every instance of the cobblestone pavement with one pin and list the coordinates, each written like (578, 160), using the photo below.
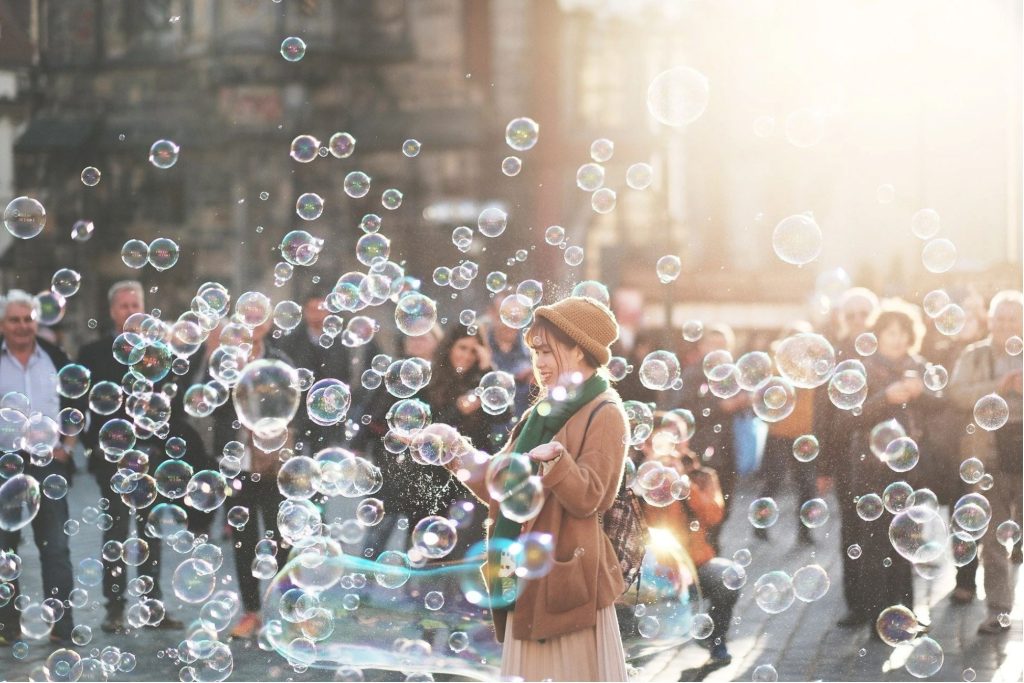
(802, 643)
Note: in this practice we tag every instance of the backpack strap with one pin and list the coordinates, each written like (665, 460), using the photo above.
(590, 419)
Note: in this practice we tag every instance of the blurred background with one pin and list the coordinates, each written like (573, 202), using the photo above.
(860, 111)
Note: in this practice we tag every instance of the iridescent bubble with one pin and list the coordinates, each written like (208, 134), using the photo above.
(73, 380)
(602, 149)
(511, 166)
(919, 534)
(492, 221)
(415, 314)
(935, 377)
(807, 360)
(162, 253)
(814, 513)
(590, 177)
(668, 268)
(24, 217)
(90, 176)
(678, 96)
(938, 255)
(971, 470)
(105, 398)
(266, 397)
(805, 448)
(734, 576)
(357, 184)
(897, 624)
(934, 301)
(573, 255)
(774, 399)
(925, 658)
(434, 536)
(925, 224)
(194, 581)
(963, 548)
(603, 201)
(592, 288)
(533, 290)
(902, 454)
(765, 673)
(411, 147)
(1008, 534)
(65, 282)
(950, 320)
(866, 343)
(991, 412)
(516, 311)
(293, 48)
(972, 512)
(163, 154)
(391, 199)
(1014, 346)
(763, 513)
(797, 239)
(309, 206)
(882, 434)
(287, 315)
(521, 133)
(869, 507)
(328, 401)
(811, 583)
(554, 235)
(341, 145)
(774, 592)
(135, 253)
(82, 230)
(896, 495)
(19, 502)
(639, 176)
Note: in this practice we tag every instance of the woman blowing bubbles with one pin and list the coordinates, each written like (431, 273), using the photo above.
(562, 626)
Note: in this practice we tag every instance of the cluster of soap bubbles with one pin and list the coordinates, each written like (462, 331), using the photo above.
(161, 253)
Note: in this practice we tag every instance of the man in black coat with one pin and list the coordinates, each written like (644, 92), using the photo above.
(126, 299)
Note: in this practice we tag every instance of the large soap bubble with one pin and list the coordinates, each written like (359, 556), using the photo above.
(415, 314)
(267, 396)
(19, 502)
(806, 360)
(678, 96)
(797, 239)
(919, 534)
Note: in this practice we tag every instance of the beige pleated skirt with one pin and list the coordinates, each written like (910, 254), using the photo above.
(590, 654)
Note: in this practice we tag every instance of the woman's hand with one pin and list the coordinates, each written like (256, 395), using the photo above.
(897, 393)
(547, 452)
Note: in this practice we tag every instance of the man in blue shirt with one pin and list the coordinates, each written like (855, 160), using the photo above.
(28, 366)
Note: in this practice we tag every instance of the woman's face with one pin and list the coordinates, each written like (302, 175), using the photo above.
(552, 361)
(422, 346)
(893, 341)
(463, 355)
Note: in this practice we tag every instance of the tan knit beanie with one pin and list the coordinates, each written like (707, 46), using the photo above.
(587, 321)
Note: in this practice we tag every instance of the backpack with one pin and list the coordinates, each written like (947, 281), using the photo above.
(624, 524)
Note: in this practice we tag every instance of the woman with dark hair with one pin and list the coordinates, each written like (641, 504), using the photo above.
(896, 392)
(561, 626)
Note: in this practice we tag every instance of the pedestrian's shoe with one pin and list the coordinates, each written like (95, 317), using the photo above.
(170, 623)
(993, 626)
(852, 619)
(962, 595)
(761, 534)
(248, 626)
(719, 657)
(114, 621)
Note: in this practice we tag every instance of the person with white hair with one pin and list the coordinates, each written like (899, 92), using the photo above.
(29, 367)
(994, 365)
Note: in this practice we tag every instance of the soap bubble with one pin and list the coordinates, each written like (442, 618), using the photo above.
(938, 255)
(90, 176)
(372, 248)
(639, 176)
(805, 448)
(765, 673)
(66, 282)
(897, 624)
(919, 534)
(411, 147)
(592, 288)
(934, 301)
(866, 343)
(206, 490)
(309, 206)
(659, 370)
(391, 199)
(950, 320)
(971, 470)
(702, 626)
(963, 548)
(774, 592)
(774, 399)
(972, 512)
(602, 201)
(19, 502)
(525, 501)
(1014, 346)
(763, 513)
(991, 412)
(266, 397)
(935, 377)
(925, 658)
(293, 48)
(668, 268)
(811, 583)
(521, 133)
(797, 239)
(573, 255)
(415, 314)
(678, 96)
(73, 380)
(869, 507)
(341, 145)
(24, 217)
(194, 581)
(434, 536)
(902, 454)
(163, 154)
(807, 360)
(554, 235)
(641, 421)
(328, 401)
(299, 478)
(882, 434)
(492, 221)
(511, 166)
(516, 311)
(356, 184)
(135, 253)
(590, 177)
(896, 495)
(82, 230)
(1008, 534)
(814, 513)
(734, 576)
(754, 367)
(533, 290)
(925, 223)
(162, 253)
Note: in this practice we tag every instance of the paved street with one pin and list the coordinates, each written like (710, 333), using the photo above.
(802, 643)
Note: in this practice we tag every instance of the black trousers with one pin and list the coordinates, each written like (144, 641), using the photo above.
(262, 499)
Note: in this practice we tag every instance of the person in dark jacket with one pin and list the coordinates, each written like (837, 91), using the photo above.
(126, 299)
(29, 366)
(897, 392)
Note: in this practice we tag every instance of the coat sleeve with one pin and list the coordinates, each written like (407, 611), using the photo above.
(706, 499)
(965, 386)
(582, 485)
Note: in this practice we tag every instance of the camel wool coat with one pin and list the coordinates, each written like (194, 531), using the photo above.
(586, 575)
